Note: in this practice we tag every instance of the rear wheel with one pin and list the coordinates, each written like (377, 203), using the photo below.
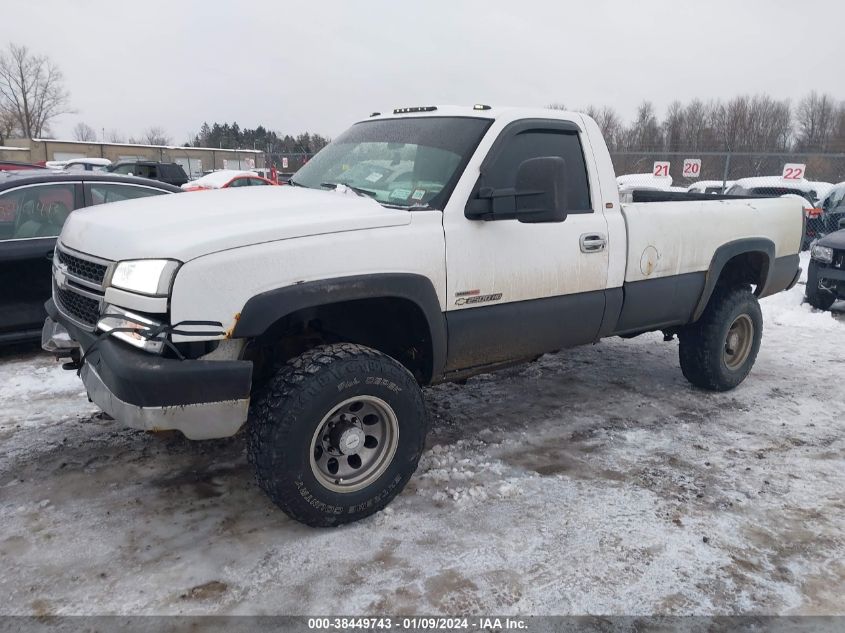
(337, 433)
(718, 351)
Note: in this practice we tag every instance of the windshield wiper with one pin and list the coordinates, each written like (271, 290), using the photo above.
(293, 183)
(414, 207)
(366, 193)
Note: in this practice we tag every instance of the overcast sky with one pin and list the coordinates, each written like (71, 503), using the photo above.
(321, 65)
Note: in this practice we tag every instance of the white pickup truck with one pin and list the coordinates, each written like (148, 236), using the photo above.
(424, 245)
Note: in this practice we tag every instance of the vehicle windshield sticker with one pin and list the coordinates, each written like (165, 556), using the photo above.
(418, 194)
(375, 177)
(401, 194)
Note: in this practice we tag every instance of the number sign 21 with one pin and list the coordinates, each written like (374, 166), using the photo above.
(661, 168)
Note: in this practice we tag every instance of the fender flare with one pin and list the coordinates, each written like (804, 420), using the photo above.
(263, 310)
(724, 254)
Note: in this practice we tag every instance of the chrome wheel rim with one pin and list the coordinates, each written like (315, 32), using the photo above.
(354, 444)
(738, 342)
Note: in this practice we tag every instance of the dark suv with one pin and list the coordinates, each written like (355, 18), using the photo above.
(826, 273)
(171, 173)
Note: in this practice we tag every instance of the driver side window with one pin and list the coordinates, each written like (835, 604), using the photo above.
(36, 211)
(501, 174)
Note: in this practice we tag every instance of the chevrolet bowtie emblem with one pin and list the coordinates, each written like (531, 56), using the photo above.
(61, 278)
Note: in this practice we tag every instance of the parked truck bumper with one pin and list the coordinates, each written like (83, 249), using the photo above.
(202, 399)
(826, 278)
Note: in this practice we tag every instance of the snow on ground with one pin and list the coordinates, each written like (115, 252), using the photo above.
(592, 481)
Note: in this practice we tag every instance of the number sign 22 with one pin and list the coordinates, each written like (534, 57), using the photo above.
(794, 171)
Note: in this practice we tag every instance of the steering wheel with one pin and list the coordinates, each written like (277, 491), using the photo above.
(25, 213)
(56, 215)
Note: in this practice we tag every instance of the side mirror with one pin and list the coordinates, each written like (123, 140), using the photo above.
(541, 190)
(539, 194)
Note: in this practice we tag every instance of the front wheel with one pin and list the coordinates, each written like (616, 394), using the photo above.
(718, 351)
(336, 434)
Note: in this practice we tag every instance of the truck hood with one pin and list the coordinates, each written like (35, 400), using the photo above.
(834, 240)
(188, 225)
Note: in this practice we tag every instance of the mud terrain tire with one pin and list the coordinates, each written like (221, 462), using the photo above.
(335, 398)
(719, 350)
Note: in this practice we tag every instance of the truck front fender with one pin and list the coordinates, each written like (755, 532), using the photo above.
(265, 309)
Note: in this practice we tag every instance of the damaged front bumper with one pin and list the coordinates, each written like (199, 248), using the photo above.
(826, 278)
(203, 399)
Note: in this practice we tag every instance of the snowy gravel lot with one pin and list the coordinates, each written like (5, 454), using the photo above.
(594, 481)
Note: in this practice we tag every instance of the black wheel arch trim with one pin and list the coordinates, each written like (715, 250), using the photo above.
(264, 310)
(724, 254)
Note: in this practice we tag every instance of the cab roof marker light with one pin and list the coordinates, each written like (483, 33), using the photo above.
(480, 106)
(414, 109)
(375, 114)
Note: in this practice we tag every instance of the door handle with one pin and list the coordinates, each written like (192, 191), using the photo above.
(593, 243)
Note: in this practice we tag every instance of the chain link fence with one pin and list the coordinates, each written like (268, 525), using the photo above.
(287, 163)
(809, 175)
(687, 167)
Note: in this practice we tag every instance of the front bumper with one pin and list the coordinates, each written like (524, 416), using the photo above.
(203, 399)
(826, 278)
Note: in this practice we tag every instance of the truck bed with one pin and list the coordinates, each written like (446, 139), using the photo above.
(677, 237)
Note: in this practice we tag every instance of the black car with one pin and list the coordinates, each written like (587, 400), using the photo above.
(171, 173)
(826, 273)
(833, 208)
(34, 205)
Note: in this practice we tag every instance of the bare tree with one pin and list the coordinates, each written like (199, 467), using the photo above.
(556, 106)
(153, 136)
(696, 129)
(837, 141)
(31, 89)
(8, 124)
(115, 136)
(673, 127)
(609, 123)
(84, 132)
(729, 122)
(645, 133)
(816, 119)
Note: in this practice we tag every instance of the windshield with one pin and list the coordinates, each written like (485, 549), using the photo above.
(738, 190)
(835, 201)
(411, 162)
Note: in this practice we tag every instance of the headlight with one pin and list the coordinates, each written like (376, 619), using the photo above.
(822, 254)
(115, 318)
(147, 276)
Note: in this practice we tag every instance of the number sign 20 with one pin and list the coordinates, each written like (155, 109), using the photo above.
(692, 167)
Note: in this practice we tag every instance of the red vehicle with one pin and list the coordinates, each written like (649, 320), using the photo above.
(225, 178)
(15, 165)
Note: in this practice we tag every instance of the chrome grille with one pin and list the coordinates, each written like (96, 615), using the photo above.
(83, 309)
(88, 270)
(79, 286)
